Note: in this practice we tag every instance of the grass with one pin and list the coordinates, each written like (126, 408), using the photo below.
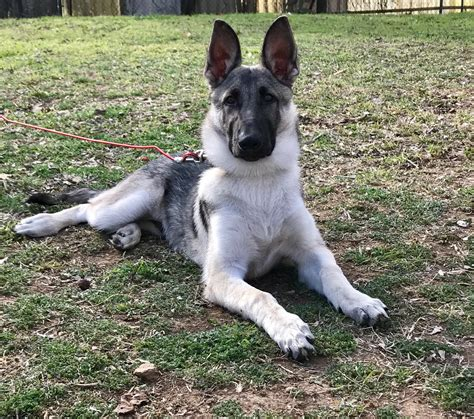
(365, 379)
(422, 348)
(32, 310)
(402, 257)
(209, 358)
(228, 408)
(386, 125)
(387, 213)
(454, 390)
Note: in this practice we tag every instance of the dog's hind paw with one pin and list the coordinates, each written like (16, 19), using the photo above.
(126, 237)
(294, 338)
(39, 225)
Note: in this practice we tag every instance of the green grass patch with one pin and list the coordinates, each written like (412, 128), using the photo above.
(386, 286)
(7, 341)
(215, 357)
(442, 293)
(27, 401)
(384, 214)
(228, 409)
(33, 310)
(10, 202)
(402, 258)
(147, 287)
(335, 342)
(41, 256)
(105, 334)
(117, 112)
(12, 279)
(365, 379)
(387, 412)
(465, 197)
(458, 325)
(422, 348)
(67, 361)
(454, 389)
(344, 410)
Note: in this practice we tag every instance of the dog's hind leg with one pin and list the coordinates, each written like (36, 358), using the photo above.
(129, 201)
(41, 225)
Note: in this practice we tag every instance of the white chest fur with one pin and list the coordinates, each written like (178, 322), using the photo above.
(256, 209)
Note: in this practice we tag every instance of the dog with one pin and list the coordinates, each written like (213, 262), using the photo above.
(240, 212)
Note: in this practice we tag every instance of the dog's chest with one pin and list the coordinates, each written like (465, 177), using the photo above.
(265, 214)
(268, 233)
(262, 205)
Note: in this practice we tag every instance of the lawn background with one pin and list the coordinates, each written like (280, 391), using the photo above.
(386, 131)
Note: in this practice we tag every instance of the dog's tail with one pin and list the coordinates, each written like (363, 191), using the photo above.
(78, 196)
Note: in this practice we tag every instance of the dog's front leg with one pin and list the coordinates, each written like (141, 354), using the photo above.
(318, 269)
(229, 252)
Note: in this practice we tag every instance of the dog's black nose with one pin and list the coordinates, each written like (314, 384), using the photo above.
(249, 143)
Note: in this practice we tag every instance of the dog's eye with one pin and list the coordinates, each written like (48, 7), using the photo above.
(230, 101)
(268, 98)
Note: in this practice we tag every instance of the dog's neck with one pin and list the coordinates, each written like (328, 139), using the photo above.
(284, 158)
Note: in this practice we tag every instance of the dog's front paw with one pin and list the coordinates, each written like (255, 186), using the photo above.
(39, 225)
(365, 310)
(294, 337)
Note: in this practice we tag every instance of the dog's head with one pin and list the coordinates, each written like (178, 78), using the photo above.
(251, 107)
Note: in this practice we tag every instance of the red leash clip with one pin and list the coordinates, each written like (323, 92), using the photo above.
(194, 156)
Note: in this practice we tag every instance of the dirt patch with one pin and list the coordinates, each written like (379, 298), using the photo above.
(413, 405)
(302, 392)
(295, 397)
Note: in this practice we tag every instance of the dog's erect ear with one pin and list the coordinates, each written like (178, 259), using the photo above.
(279, 53)
(223, 55)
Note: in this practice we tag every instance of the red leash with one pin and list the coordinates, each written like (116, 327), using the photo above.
(186, 155)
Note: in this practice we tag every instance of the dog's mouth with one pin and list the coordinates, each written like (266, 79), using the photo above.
(252, 157)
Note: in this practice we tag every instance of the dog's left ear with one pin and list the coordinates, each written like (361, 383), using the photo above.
(279, 53)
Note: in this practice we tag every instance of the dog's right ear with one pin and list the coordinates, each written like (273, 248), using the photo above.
(223, 55)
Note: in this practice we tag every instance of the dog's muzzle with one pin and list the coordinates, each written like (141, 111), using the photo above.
(250, 148)
(252, 145)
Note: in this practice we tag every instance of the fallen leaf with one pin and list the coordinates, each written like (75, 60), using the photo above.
(436, 329)
(124, 408)
(135, 399)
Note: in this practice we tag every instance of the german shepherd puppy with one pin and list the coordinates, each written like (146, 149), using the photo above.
(239, 213)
